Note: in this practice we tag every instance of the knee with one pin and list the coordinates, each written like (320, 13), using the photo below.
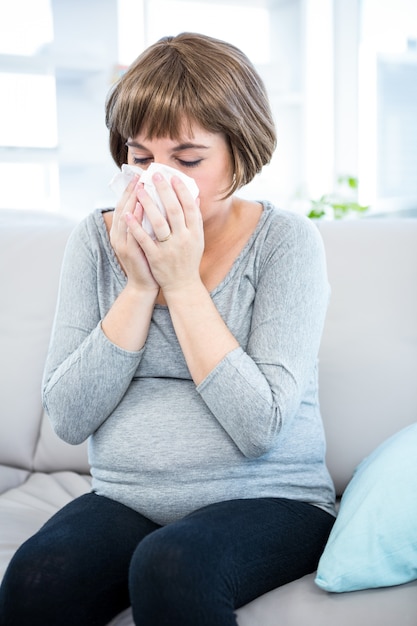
(177, 561)
(24, 579)
(36, 574)
(175, 578)
(24, 571)
(164, 559)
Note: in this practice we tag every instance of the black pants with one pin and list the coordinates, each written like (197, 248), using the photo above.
(95, 557)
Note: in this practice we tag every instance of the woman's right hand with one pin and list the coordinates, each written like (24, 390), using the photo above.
(125, 246)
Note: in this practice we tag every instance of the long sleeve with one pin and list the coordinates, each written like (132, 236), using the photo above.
(252, 428)
(260, 386)
(85, 374)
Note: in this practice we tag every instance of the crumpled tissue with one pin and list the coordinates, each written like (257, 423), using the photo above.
(121, 180)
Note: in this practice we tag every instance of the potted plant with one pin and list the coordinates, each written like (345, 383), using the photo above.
(340, 204)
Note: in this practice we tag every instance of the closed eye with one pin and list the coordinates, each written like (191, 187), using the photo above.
(147, 160)
(141, 161)
(189, 163)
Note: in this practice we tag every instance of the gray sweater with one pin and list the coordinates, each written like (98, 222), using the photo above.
(251, 429)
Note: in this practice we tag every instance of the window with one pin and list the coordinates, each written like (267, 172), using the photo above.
(28, 121)
(26, 27)
(30, 101)
(232, 22)
(341, 75)
(388, 104)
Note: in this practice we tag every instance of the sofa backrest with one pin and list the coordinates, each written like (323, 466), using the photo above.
(31, 250)
(368, 356)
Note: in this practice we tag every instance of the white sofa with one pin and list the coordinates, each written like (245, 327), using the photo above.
(368, 392)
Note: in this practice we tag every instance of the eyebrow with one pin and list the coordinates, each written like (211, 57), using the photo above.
(179, 148)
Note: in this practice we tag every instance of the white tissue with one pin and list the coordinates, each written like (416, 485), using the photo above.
(121, 180)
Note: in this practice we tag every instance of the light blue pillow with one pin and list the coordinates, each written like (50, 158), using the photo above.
(374, 540)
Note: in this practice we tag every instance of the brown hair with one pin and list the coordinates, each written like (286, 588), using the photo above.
(201, 80)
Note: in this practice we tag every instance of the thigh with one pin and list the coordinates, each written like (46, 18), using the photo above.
(256, 545)
(96, 535)
(75, 569)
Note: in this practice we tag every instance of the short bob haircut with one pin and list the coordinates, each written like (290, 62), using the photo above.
(193, 78)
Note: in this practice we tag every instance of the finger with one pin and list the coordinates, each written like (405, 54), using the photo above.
(171, 202)
(138, 215)
(160, 224)
(126, 204)
(138, 212)
(190, 206)
(127, 193)
(136, 230)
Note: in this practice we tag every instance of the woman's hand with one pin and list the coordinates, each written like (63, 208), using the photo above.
(127, 321)
(174, 257)
(126, 248)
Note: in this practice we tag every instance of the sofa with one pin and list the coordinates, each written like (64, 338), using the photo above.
(368, 370)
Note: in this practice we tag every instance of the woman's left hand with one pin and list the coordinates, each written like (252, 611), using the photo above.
(174, 256)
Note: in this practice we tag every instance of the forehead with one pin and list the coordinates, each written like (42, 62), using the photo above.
(190, 136)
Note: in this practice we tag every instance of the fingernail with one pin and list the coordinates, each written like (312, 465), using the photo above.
(157, 177)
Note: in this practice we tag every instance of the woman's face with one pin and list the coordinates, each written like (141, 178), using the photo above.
(202, 155)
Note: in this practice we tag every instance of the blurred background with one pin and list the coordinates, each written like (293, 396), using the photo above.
(341, 75)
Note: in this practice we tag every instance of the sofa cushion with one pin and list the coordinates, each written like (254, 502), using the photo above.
(24, 509)
(11, 477)
(53, 454)
(374, 540)
(302, 603)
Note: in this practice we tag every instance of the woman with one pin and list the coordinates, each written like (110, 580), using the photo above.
(189, 360)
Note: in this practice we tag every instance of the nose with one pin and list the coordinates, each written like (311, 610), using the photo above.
(163, 159)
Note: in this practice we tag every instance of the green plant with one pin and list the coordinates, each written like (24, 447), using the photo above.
(340, 204)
